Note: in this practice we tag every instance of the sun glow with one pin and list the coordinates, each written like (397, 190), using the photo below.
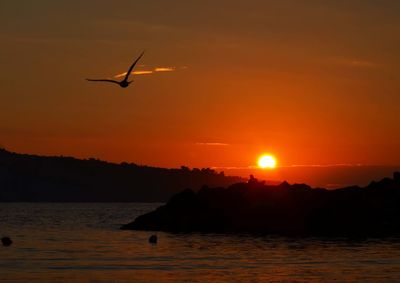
(266, 161)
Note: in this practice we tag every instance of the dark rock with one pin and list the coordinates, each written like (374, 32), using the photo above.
(153, 239)
(396, 177)
(284, 209)
(6, 241)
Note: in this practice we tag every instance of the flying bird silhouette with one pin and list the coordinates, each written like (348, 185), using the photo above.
(124, 83)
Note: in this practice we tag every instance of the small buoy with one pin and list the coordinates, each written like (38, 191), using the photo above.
(153, 239)
(6, 241)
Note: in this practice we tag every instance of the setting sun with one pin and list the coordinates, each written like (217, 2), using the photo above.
(267, 161)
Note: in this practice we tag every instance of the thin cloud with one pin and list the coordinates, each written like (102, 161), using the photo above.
(164, 69)
(148, 72)
(362, 64)
(354, 63)
(144, 72)
(326, 165)
(212, 144)
(296, 166)
(232, 167)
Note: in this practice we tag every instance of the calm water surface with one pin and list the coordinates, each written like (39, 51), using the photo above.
(81, 242)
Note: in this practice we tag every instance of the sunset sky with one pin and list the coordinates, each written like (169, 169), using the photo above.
(312, 82)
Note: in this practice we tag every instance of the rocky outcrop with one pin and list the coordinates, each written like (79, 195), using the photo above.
(285, 209)
(396, 177)
(6, 241)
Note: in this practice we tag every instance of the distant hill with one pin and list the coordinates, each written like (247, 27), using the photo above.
(32, 178)
(293, 210)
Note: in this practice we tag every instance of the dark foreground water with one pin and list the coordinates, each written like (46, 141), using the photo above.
(65, 242)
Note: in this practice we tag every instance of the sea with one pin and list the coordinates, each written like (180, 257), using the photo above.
(82, 242)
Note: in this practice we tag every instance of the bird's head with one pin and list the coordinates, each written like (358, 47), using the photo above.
(124, 83)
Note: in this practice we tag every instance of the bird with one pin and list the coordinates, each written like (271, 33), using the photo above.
(124, 83)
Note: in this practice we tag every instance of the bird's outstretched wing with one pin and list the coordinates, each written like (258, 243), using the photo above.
(105, 80)
(133, 65)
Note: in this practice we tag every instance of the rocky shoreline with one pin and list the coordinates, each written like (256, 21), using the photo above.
(295, 210)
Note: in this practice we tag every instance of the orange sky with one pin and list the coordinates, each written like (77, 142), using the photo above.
(314, 82)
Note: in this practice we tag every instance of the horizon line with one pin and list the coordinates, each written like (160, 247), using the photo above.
(212, 167)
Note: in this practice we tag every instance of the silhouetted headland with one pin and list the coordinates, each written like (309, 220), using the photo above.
(285, 209)
(32, 178)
